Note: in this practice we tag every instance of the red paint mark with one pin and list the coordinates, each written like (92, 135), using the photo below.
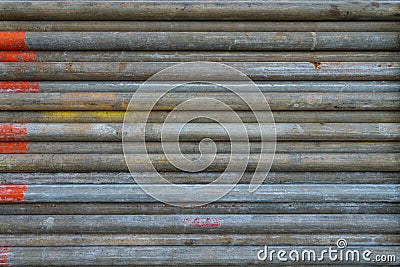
(13, 132)
(19, 87)
(3, 256)
(12, 193)
(13, 147)
(17, 56)
(202, 222)
(12, 41)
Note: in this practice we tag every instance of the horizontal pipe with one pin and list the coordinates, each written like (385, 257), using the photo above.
(261, 71)
(200, 26)
(184, 56)
(116, 162)
(174, 224)
(199, 178)
(131, 208)
(160, 116)
(277, 101)
(200, 10)
(193, 147)
(103, 132)
(273, 193)
(179, 255)
(26, 240)
(132, 86)
(216, 41)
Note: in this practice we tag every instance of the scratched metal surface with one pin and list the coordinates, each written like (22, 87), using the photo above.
(329, 69)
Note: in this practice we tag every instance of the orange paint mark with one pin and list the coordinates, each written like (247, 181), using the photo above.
(19, 87)
(12, 41)
(3, 256)
(202, 222)
(13, 132)
(12, 193)
(13, 147)
(17, 56)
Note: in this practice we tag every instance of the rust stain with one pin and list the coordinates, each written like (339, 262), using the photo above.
(316, 65)
(122, 66)
(13, 132)
(12, 41)
(70, 68)
(4, 251)
(12, 193)
(19, 87)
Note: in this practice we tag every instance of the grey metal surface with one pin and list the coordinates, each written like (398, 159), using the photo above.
(293, 101)
(185, 56)
(202, 177)
(225, 41)
(198, 26)
(267, 193)
(116, 163)
(270, 86)
(201, 10)
(68, 69)
(258, 71)
(220, 223)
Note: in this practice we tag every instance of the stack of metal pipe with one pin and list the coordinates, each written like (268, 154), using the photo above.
(329, 71)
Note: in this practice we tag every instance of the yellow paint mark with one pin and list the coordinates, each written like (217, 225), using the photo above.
(83, 116)
(124, 105)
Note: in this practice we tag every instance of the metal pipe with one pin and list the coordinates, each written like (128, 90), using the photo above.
(277, 101)
(28, 240)
(201, 10)
(271, 193)
(216, 41)
(106, 132)
(200, 26)
(193, 147)
(292, 162)
(174, 224)
(260, 71)
(181, 116)
(132, 208)
(184, 56)
(199, 178)
(132, 86)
